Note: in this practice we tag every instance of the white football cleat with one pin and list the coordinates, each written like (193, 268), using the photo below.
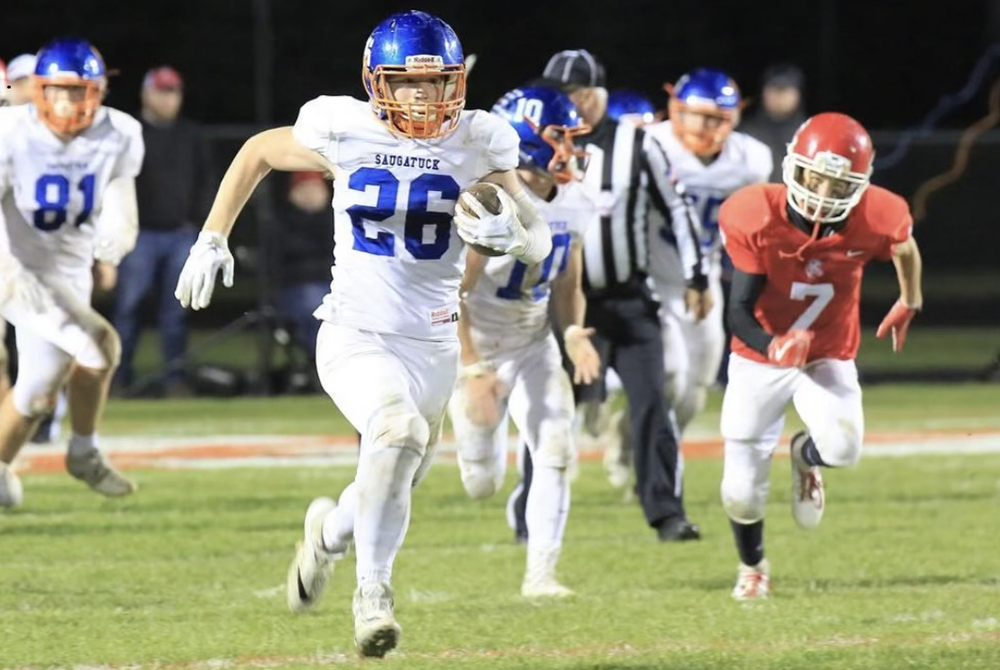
(313, 564)
(808, 498)
(11, 491)
(94, 470)
(753, 582)
(545, 587)
(540, 578)
(375, 629)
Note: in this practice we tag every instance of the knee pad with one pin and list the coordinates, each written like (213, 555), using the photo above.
(102, 351)
(481, 479)
(35, 400)
(398, 424)
(555, 444)
(840, 445)
(743, 500)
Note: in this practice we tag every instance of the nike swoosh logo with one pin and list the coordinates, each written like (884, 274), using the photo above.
(782, 349)
(851, 253)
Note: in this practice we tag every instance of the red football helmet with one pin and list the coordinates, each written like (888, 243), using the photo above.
(828, 167)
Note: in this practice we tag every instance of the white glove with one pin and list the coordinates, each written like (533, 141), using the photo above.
(197, 281)
(19, 286)
(112, 250)
(502, 232)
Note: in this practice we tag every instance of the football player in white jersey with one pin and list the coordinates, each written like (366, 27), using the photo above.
(388, 350)
(67, 193)
(511, 362)
(4, 376)
(710, 161)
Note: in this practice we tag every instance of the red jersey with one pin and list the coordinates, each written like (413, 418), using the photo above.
(821, 291)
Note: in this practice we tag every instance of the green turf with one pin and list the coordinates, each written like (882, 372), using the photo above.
(189, 574)
(888, 407)
(928, 348)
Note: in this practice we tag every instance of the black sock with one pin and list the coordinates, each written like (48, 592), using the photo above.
(810, 454)
(749, 541)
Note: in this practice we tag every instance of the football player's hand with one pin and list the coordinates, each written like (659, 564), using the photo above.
(898, 321)
(197, 281)
(502, 232)
(105, 276)
(791, 349)
(698, 303)
(482, 394)
(586, 361)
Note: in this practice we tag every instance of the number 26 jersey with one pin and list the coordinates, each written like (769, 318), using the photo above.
(398, 260)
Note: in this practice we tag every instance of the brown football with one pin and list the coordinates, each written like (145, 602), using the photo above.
(486, 194)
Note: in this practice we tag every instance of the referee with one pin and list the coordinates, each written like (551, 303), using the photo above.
(628, 174)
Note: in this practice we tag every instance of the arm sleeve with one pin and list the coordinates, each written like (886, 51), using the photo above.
(743, 323)
(668, 195)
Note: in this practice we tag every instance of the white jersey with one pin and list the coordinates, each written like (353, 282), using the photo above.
(510, 302)
(743, 161)
(398, 260)
(51, 191)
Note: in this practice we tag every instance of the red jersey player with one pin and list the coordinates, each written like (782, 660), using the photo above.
(799, 250)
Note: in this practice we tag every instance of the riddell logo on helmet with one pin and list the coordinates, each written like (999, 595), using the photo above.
(428, 59)
(832, 164)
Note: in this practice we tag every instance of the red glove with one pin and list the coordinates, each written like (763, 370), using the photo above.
(898, 319)
(791, 349)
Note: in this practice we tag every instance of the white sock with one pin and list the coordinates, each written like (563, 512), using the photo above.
(548, 507)
(81, 445)
(338, 528)
(384, 487)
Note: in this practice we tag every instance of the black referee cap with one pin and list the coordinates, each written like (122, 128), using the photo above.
(574, 68)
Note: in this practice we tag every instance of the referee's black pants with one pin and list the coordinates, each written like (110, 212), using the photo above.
(629, 340)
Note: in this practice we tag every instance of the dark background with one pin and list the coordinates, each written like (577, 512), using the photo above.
(888, 63)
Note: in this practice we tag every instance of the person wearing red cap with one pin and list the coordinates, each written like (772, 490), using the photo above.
(175, 193)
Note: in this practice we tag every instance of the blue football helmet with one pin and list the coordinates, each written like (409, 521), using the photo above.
(630, 107)
(546, 121)
(77, 68)
(410, 45)
(704, 107)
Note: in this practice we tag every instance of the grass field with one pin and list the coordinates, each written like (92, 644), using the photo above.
(188, 574)
(927, 348)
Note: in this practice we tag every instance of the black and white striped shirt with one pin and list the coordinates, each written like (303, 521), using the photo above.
(628, 174)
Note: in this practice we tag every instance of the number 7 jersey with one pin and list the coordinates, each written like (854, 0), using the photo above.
(51, 191)
(398, 258)
(821, 290)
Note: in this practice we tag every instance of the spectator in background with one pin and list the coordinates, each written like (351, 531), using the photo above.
(780, 113)
(19, 74)
(303, 250)
(175, 191)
